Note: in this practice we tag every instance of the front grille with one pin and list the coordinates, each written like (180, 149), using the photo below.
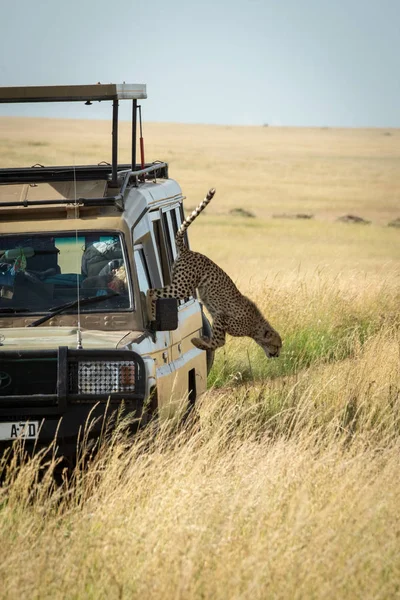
(56, 376)
(28, 376)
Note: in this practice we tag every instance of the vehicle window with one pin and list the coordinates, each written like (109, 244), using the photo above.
(162, 251)
(43, 271)
(172, 222)
(169, 237)
(181, 218)
(142, 270)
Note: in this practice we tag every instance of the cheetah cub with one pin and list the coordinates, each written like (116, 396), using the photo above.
(231, 312)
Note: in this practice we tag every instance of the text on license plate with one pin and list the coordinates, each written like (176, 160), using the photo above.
(27, 430)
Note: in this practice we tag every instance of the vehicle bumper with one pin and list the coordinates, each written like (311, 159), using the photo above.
(82, 396)
(75, 430)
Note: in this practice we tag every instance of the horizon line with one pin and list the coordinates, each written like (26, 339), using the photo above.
(200, 124)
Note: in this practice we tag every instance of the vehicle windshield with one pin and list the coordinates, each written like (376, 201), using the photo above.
(40, 272)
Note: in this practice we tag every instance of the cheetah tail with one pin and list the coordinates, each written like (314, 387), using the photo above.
(180, 235)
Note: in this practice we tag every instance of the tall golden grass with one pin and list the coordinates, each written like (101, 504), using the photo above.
(286, 491)
(284, 481)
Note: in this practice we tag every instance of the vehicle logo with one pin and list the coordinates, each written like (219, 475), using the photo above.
(5, 380)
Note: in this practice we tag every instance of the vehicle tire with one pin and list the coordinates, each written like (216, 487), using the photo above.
(207, 332)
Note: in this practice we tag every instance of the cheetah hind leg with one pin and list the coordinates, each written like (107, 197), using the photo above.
(217, 339)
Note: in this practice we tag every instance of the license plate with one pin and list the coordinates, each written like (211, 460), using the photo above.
(26, 430)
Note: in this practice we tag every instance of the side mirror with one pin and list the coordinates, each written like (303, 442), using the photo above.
(166, 314)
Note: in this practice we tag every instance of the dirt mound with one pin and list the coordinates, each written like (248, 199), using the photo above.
(242, 212)
(293, 216)
(352, 219)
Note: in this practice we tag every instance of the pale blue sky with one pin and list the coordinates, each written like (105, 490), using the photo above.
(287, 62)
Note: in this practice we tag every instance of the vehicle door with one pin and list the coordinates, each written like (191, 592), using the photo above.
(187, 359)
(150, 271)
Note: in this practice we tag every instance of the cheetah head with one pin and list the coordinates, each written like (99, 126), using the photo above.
(269, 340)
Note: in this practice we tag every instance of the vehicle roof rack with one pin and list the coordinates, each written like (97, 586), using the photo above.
(40, 174)
(151, 171)
(113, 92)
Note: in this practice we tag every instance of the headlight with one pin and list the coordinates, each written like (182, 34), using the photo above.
(100, 377)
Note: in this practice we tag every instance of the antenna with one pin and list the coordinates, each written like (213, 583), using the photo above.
(78, 331)
(141, 138)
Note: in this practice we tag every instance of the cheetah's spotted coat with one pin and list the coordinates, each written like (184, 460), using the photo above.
(232, 312)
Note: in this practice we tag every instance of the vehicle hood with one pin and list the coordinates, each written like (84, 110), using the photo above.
(49, 338)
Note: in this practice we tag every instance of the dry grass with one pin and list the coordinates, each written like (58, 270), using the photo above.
(284, 492)
(270, 170)
(286, 483)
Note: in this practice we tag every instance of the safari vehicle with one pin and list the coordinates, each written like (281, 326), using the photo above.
(79, 248)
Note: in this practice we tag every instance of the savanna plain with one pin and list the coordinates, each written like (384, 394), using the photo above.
(285, 480)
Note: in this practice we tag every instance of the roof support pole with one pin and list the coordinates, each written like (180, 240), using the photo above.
(134, 134)
(114, 160)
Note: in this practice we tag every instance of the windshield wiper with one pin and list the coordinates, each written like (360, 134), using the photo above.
(59, 309)
(13, 309)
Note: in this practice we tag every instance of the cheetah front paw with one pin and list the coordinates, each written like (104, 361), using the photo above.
(151, 305)
(202, 343)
